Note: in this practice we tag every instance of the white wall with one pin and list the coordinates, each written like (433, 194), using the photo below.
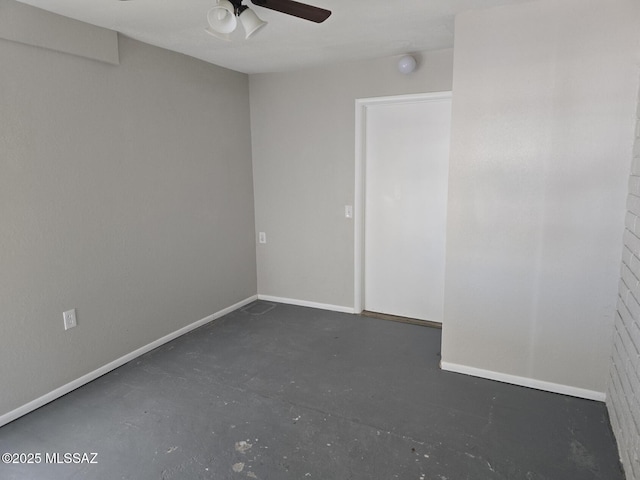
(125, 192)
(303, 130)
(543, 105)
(623, 389)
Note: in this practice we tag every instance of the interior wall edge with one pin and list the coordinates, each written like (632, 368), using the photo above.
(525, 381)
(83, 380)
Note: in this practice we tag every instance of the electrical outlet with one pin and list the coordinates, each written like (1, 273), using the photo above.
(69, 319)
(262, 237)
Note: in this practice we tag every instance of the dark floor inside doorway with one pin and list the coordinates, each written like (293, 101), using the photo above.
(284, 392)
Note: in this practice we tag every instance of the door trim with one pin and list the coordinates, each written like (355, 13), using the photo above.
(359, 191)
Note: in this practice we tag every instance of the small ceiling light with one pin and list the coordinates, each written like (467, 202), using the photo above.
(223, 19)
(406, 64)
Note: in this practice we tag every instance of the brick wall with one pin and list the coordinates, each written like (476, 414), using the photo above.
(623, 395)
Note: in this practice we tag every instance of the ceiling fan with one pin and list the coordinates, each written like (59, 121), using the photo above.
(223, 18)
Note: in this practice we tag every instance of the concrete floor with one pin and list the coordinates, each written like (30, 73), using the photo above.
(298, 393)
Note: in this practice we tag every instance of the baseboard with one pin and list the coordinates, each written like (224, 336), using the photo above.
(525, 382)
(305, 303)
(399, 319)
(69, 387)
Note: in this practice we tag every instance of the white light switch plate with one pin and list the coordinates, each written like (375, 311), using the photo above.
(348, 211)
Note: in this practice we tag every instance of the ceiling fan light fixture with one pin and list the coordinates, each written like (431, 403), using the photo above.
(222, 36)
(250, 22)
(221, 18)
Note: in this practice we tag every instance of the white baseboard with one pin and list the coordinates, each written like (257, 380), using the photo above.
(63, 390)
(305, 303)
(525, 382)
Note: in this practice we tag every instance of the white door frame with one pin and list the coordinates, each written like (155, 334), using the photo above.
(359, 192)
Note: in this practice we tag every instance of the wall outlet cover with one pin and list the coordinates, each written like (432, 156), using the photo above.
(69, 319)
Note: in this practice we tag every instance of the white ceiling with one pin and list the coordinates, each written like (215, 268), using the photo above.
(357, 29)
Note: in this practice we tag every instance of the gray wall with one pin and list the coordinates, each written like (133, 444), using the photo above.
(32, 26)
(303, 131)
(623, 391)
(543, 112)
(125, 192)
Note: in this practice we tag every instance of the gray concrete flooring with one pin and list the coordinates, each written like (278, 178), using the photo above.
(283, 392)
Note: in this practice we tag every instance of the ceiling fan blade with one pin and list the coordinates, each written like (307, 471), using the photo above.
(300, 10)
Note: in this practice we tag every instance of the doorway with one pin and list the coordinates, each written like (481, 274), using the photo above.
(402, 162)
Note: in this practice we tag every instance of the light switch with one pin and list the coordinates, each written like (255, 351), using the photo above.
(348, 211)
